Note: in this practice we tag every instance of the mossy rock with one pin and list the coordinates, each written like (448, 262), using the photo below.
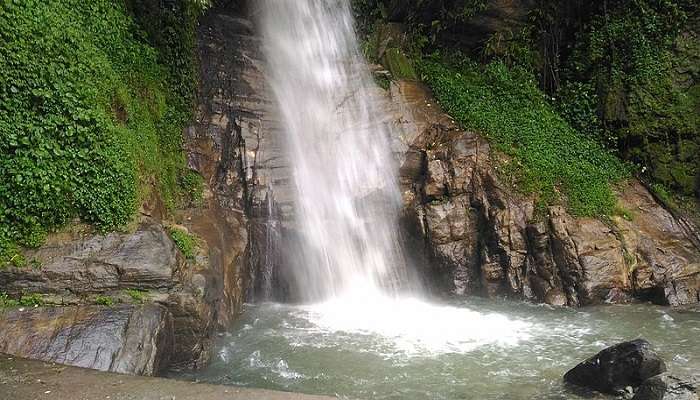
(399, 65)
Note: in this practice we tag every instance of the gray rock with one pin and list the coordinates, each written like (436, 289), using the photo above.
(145, 259)
(126, 339)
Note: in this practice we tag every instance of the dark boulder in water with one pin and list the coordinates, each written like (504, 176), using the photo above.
(617, 367)
(668, 387)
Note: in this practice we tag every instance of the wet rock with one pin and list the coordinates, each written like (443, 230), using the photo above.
(668, 387)
(125, 339)
(619, 366)
(555, 297)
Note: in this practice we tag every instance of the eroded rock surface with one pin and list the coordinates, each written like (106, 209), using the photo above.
(126, 339)
(481, 237)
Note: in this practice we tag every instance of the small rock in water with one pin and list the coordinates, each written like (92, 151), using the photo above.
(556, 297)
(668, 387)
(619, 366)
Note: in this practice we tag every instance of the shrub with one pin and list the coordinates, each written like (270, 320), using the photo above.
(185, 242)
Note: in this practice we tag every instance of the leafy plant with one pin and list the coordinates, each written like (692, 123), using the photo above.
(185, 242)
(31, 300)
(6, 301)
(26, 300)
(90, 116)
(192, 187)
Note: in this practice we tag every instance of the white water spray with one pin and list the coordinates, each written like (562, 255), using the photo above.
(347, 195)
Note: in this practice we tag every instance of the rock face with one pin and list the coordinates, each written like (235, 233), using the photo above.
(668, 387)
(481, 237)
(126, 339)
(619, 366)
(79, 266)
(237, 146)
(81, 269)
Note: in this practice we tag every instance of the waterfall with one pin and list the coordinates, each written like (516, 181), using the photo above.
(347, 197)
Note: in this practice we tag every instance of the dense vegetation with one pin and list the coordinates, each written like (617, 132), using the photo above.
(549, 155)
(91, 112)
(572, 78)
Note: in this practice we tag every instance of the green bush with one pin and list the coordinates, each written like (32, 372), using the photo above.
(26, 300)
(551, 157)
(643, 59)
(89, 117)
(184, 241)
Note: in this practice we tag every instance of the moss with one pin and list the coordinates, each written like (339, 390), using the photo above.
(104, 300)
(399, 65)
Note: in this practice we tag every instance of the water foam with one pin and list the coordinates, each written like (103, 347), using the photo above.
(414, 326)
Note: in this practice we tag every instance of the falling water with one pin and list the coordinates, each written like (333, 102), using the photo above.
(347, 195)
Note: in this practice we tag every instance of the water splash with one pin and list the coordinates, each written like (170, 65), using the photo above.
(347, 198)
(412, 326)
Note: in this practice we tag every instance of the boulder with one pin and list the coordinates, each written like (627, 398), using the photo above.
(668, 387)
(126, 339)
(617, 367)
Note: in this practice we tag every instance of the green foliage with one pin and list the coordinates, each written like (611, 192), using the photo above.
(431, 21)
(623, 212)
(577, 103)
(138, 296)
(6, 301)
(31, 300)
(551, 157)
(637, 60)
(192, 187)
(89, 118)
(104, 300)
(511, 48)
(26, 300)
(184, 241)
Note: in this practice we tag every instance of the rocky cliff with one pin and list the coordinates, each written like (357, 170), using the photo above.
(482, 237)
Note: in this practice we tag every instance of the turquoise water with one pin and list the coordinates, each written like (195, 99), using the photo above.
(476, 349)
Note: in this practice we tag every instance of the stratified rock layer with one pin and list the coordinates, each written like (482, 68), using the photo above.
(126, 339)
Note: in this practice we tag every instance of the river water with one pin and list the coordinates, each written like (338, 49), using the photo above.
(411, 349)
